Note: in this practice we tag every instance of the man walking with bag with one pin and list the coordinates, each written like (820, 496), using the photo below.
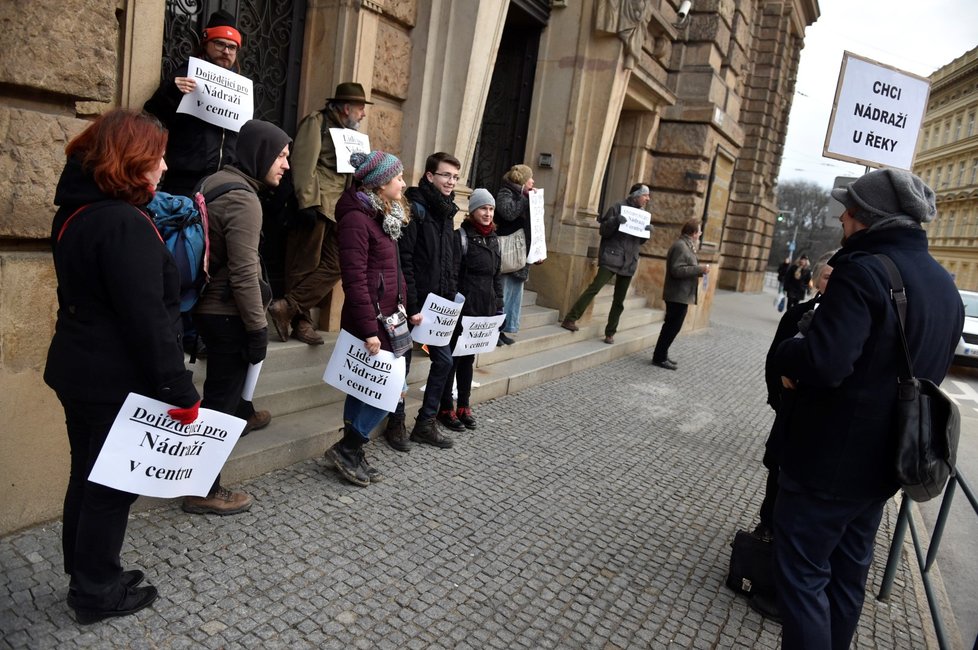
(837, 463)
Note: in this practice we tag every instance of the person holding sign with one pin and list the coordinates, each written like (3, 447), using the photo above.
(513, 219)
(118, 331)
(618, 257)
(312, 266)
(479, 281)
(230, 314)
(680, 290)
(370, 218)
(196, 148)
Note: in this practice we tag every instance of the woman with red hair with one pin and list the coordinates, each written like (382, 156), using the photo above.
(118, 331)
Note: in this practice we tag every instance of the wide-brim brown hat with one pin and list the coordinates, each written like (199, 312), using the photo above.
(350, 91)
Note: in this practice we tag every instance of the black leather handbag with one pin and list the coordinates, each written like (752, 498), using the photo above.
(751, 565)
(928, 424)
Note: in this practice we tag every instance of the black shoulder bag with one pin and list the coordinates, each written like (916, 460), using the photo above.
(927, 420)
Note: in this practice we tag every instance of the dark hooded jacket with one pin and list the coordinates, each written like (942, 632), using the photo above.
(478, 274)
(368, 263)
(619, 250)
(237, 286)
(195, 148)
(428, 248)
(118, 328)
(839, 431)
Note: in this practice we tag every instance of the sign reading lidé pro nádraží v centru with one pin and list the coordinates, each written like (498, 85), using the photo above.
(221, 97)
(877, 114)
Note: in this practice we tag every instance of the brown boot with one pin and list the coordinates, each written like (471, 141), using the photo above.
(222, 502)
(257, 420)
(568, 324)
(426, 431)
(305, 332)
(282, 314)
(396, 434)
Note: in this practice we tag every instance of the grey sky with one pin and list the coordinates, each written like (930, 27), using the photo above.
(915, 36)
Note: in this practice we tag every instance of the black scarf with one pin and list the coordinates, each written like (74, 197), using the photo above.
(439, 205)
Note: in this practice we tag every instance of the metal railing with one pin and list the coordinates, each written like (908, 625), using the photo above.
(925, 561)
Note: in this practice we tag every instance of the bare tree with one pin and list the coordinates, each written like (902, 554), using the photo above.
(803, 209)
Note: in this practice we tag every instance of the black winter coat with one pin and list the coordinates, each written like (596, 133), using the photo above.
(118, 328)
(840, 429)
(478, 274)
(428, 254)
(195, 148)
(368, 263)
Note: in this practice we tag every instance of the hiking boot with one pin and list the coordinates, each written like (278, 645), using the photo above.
(133, 600)
(348, 463)
(568, 324)
(447, 418)
(257, 420)
(222, 502)
(464, 414)
(396, 434)
(372, 472)
(427, 433)
(305, 332)
(282, 314)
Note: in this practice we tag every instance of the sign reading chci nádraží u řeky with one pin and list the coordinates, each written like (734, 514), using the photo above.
(877, 114)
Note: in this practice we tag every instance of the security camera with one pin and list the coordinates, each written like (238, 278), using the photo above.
(683, 12)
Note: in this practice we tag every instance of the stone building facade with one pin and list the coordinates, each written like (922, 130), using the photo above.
(947, 160)
(593, 94)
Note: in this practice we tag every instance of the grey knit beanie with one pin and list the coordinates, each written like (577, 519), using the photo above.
(480, 197)
(886, 194)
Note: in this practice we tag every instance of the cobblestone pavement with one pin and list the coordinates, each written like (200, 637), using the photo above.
(595, 511)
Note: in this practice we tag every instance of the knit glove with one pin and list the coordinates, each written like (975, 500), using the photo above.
(305, 218)
(257, 345)
(187, 415)
(622, 219)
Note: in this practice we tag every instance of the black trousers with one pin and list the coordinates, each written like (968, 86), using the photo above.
(227, 367)
(95, 516)
(675, 315)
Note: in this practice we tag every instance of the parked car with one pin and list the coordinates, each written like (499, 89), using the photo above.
(966, 354)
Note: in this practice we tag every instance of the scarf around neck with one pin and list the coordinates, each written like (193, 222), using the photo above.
(438, 204)
(392, 222)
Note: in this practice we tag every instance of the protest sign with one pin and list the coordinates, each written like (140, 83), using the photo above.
(345, 142)
(438, 319)
(877, 114)
(636, 221)
(479, 335)
(221, 97)
(147, 452)
(538, 237)
(376, 380)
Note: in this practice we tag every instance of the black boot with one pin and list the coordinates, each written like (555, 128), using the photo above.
(425, 431)
(465, 416)
(372, 472)
(396, 434)
(347, 456)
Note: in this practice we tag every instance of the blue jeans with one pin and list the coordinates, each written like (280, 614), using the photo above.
(822, 551)
(361, 416)
(512, 302)
(441, 369)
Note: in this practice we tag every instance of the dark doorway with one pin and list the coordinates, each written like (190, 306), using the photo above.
(506, 119)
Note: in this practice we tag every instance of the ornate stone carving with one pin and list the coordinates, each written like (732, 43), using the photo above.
(392, 61)
(385, 129)
(629, 20)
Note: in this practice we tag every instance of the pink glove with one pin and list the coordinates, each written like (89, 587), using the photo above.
(185, 416)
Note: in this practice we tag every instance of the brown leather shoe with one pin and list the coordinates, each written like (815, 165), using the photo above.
(222, 502)
(282, 314)
(258, 420)
(305, 332)
(568, 324)
(609, 339)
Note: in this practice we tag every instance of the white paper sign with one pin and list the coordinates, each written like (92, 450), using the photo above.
(221, 97)
(538, 237)
(438, 319)
(376, 380)
(637, 220)
(479, 335)
(149, 453)
(345, 142)
(877, 114)
(251, 380)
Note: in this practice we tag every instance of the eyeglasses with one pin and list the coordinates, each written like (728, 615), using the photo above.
(448, 176)
(223, 46)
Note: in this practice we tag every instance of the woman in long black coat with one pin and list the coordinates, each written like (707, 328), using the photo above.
(118, 331)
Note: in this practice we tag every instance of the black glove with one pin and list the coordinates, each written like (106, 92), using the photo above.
(622, 219)
(806, 321)
(257, 345)
(649, 227)
(305, 218)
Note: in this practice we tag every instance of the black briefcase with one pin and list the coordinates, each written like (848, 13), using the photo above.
(751, 565)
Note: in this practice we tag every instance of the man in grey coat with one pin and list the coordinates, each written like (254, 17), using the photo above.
(618, 257)
(683, 273)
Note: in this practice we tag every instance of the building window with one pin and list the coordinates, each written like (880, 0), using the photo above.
(961, 168)
(947, 132)
(971, 124)
(974, 171)
(926, 143)
(940, 178)
(957, 127)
